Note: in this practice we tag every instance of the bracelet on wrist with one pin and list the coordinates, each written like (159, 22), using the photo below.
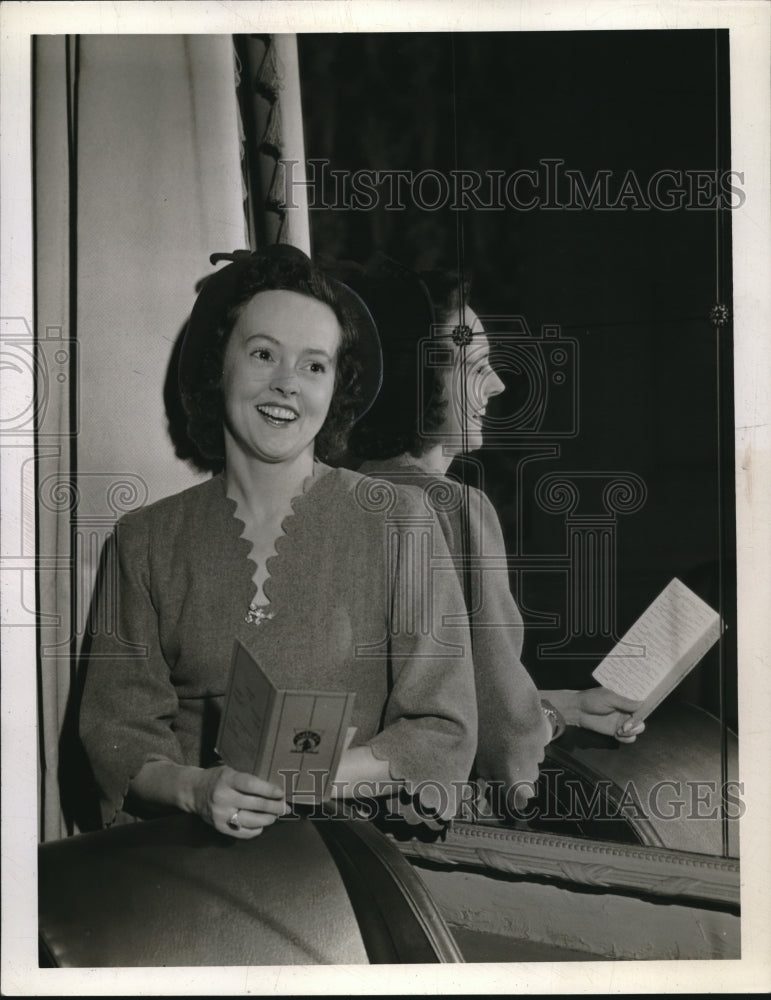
(555, 718)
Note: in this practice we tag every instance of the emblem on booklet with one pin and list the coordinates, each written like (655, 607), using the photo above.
(306, 741)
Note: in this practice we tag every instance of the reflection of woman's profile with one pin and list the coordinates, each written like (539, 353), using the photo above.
(279, 551)
(431, 407)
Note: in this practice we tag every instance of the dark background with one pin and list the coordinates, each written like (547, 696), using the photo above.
(634, 289)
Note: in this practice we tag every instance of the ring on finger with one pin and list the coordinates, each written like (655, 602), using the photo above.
(233, 821)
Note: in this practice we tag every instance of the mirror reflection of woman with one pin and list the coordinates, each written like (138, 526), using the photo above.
(412, 436)
(279, 551)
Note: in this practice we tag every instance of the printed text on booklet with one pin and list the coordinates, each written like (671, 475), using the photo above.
(662, 646)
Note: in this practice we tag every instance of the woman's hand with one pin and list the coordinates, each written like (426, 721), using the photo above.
(604, 711)
(359, 766)
(236, 803)
(599, 709)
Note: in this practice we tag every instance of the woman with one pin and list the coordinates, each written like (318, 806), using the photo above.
(281, 552)
(412, 438)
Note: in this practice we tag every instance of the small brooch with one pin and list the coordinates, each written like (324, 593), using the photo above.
(257, 614)
(462, 335)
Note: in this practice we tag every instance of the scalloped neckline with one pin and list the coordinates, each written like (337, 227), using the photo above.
(320, 470)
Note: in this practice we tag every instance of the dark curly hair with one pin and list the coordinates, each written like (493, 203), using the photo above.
(201, 385)
(412, 404)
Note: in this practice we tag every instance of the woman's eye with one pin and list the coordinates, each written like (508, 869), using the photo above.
(317, 367)
(262, 354)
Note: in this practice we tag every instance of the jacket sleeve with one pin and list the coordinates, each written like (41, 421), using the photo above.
(129, 702)
(430, 718)
(512, 728)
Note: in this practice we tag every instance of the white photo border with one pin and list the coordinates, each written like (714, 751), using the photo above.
(748, 22)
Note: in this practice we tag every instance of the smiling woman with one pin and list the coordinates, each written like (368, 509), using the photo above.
(276, 364)
(278, 379)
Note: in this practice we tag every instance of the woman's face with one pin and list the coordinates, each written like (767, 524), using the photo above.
(468, 385)
(279, 375)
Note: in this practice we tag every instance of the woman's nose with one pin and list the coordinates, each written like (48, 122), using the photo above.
(285, 383)
(493, 385)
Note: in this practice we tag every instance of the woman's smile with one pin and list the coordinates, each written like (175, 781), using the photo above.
(277, 416)
(279, 375)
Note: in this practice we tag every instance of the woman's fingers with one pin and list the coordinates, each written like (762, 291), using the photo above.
(250, 804)
(249, 820)
(238, 804)
(256, 803)
(248, 784)
(602, 701)
(621, 703)
(244, 823)
(629, 731)
(242, 833)
(260, 802)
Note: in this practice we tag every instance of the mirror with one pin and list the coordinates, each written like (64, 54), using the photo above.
(584, 181)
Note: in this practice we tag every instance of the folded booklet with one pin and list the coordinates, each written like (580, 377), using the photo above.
(292, 739)
(663, 645)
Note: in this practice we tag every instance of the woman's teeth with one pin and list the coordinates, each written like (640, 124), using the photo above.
(277, 414)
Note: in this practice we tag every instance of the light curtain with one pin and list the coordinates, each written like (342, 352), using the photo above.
(137, 180)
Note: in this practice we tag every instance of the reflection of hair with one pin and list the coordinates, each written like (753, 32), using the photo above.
(394, 424)
(204, 402)
(444, 287)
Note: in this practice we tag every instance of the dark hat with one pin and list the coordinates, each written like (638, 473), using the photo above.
(396, 296)
(221, 288)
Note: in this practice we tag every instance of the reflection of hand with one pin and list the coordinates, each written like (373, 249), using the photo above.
(518, 795)
(237, 803)
(523, 788)
(604, 711)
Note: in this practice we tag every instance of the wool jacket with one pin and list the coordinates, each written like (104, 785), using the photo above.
(356, 607)
(512, 731)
